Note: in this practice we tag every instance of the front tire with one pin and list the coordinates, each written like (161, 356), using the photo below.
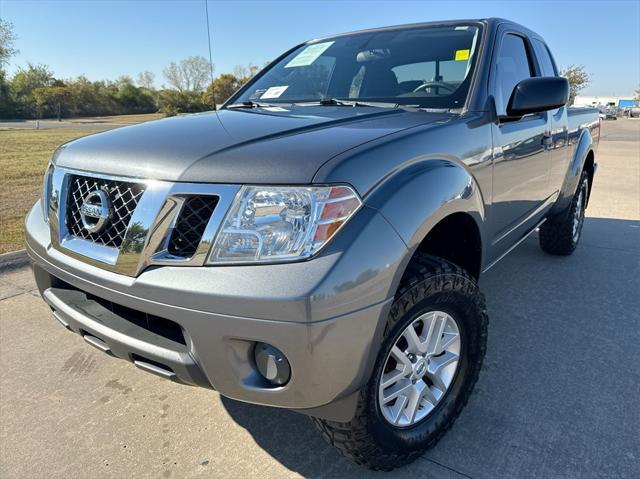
(429, 360)
(560, 236)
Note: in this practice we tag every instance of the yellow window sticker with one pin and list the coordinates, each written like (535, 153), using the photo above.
(462, 55)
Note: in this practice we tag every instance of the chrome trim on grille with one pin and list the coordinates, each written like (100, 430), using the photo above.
(149, 230)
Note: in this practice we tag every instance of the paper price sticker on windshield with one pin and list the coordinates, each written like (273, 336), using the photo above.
(274, 92)
(308, 55)
(462, 55)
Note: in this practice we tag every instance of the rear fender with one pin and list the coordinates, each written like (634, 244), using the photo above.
(572, 177)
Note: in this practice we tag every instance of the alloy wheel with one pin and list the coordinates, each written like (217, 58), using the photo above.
(578, 213)
(419, 368)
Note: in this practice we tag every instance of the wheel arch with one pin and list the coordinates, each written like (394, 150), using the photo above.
(590, 168)
(437, 207)
(455, 238)
(583, 158)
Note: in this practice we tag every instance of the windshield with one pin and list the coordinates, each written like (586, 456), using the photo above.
(428, 67)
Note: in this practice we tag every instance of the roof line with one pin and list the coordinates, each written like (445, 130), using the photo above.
(412, 25)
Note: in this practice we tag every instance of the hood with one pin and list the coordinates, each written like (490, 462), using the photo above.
(275, 145)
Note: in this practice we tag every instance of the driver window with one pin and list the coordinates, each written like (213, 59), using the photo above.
(513, 66)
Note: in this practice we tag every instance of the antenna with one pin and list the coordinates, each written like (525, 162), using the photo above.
(213, 92)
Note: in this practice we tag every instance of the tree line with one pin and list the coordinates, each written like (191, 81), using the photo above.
(34, 91)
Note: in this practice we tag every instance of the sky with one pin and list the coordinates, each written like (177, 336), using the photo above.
(103, 39)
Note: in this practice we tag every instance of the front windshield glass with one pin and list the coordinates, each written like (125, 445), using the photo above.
(429, 67)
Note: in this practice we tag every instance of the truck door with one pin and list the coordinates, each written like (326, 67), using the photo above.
(559, 121)
(521, 147)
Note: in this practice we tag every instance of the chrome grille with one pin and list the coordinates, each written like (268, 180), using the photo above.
(146, 217)
(124, 197)
(189, 228)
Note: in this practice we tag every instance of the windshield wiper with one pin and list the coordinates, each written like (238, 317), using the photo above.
(250, 104)
(354, 103)
(336, 102)
(328, 102)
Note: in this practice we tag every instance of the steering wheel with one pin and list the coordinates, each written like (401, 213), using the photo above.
(435, 84)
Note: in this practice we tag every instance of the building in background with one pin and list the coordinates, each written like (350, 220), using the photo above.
(620, 102)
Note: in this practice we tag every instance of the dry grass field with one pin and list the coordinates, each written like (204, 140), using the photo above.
(24, 153)
(23, 157)
(119, 119)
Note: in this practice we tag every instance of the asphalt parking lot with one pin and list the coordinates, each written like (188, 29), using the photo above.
(559, 395)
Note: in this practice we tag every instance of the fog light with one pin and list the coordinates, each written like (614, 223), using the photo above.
(272, 364)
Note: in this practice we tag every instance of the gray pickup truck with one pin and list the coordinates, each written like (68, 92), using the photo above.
(316, 244)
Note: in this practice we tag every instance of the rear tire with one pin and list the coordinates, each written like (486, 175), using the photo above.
(431, 286)
(560, 235)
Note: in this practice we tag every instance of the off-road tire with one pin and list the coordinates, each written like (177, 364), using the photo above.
(556, 235)
(368, 439)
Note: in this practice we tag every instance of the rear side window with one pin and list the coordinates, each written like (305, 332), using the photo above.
(544, 59)
(513, 66)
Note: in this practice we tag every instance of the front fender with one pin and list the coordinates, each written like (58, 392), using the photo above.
(583, 147)
(418, 196)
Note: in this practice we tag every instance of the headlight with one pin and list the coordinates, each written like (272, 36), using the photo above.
(47, 186)
(268, 224)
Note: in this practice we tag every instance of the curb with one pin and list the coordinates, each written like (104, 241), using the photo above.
(14, 259)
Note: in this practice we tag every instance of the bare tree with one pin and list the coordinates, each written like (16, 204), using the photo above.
(173, 75)
(7, 42)
(122, 81)
(245, 73)
(145, 79)
(578, 79)
(191, 74)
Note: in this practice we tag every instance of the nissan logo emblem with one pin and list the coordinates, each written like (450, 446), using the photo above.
(95, 211)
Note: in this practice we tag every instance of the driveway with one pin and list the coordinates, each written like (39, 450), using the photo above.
(559, 394)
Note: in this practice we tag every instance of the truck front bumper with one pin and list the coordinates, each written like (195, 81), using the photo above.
(199, 325)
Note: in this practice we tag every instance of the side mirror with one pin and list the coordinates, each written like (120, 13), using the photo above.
(538, 94)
